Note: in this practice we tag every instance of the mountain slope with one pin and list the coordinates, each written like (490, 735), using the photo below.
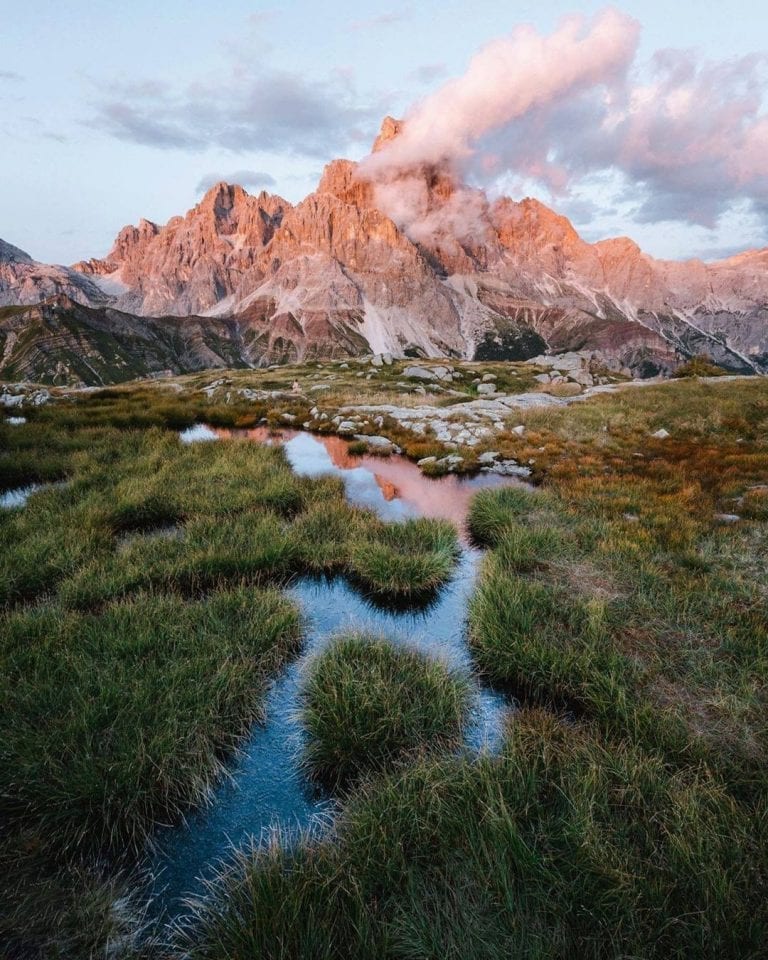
(414, 263)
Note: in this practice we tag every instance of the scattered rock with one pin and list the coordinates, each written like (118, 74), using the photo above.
(486, 389)
(631, 518)
(419, 373)
(347, 426)
(379, 443)
(425, 461)
(508, 468)
(519, 430)
(660, 434)
(488, 457)
(489, 377)
(727, 518)
(542, 378)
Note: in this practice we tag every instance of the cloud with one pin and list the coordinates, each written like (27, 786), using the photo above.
(382, 20)
(249, 106)
(245, 178)
(689, 137)
(428, 72)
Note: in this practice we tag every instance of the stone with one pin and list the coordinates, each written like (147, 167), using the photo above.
(419, 373)
(508, 468)
(347, 426)
(485, 389)
(542, 378)
(519, 430)
(387, 358)
(379, 443)
(425, 461)
(727, 518)
(660, 434)
(489, 377)
(378, 360)
(488, 457)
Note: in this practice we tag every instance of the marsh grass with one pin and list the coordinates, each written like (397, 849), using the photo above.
(492, 511)
(564, 845)
(118, 719)
(405, 561)
(366, 702)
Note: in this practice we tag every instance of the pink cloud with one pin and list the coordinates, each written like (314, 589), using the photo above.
(690, 136)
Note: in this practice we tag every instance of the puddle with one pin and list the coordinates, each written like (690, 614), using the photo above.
(200, 433)
(265, 789)
(13, 499)
(393, 487)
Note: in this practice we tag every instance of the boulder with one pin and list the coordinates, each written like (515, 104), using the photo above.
(419, 373)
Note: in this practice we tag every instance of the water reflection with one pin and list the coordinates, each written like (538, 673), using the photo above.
(12, 499)
(393, 487)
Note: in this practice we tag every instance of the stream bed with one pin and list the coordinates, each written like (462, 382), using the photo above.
(265, 789)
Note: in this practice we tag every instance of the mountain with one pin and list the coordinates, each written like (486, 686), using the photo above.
(24, 280)
(415, 263)
(61, 341)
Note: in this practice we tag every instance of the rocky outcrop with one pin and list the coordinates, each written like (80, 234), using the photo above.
(414, 263)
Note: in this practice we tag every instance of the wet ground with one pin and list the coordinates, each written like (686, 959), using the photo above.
(266, 790)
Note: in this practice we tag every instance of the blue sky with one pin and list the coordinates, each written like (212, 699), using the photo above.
(112, 111)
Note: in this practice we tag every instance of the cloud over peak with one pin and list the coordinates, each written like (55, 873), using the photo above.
(689, 137)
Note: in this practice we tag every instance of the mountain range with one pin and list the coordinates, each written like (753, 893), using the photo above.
(243, 280)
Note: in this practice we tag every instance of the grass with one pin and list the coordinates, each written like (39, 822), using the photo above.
(140, 626)
(564, 845)
(408, 561)
(136, 648)
(492, 511)
(367, 702)
(116, 720)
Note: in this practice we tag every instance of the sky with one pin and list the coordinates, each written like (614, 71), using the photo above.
(646, 119)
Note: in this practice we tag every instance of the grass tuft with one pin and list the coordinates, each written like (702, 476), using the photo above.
(367, 702)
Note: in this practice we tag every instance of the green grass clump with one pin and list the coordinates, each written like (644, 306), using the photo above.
(493, 511)
(366, 702)
(114, 720)
(405, 561)
(564, 845)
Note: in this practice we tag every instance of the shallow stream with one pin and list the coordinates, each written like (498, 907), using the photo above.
(266, 790)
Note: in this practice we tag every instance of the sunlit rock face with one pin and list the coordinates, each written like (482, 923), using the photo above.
(413, 262)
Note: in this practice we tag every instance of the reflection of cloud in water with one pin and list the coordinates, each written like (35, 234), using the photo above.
(200, 433)
(393, 487)
(12, 499)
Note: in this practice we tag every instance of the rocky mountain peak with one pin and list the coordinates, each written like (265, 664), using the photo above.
(11, 254)
(390, 128)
